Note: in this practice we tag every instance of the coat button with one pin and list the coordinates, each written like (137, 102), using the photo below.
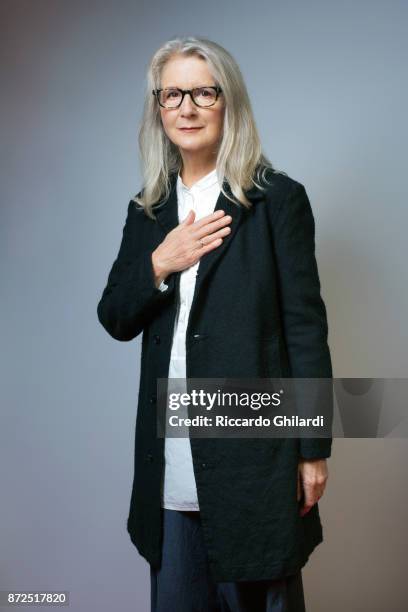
(198, 337)
(149, 458)
(153, 399)
(204, 465)
(156, 339)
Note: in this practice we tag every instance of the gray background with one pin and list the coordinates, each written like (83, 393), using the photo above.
(327, 82)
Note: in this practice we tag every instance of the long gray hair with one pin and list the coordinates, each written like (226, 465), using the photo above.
(240, 160)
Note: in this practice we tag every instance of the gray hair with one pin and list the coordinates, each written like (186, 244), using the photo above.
(240, 160)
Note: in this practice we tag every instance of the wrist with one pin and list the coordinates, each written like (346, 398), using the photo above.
(159, 273)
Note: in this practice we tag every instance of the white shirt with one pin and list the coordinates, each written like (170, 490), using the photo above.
(179, 490)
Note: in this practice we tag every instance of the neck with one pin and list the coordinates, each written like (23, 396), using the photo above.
(194, 169)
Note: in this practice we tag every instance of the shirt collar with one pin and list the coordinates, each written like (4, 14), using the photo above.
(203, 183)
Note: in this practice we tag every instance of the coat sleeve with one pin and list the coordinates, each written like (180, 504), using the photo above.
(131, 299)
(303, 311)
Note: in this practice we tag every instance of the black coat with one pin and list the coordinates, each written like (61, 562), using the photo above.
(257, 312)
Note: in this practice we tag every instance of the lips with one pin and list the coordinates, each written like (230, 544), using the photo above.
(192, 129)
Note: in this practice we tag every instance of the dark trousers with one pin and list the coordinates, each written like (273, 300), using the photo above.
(184, 584)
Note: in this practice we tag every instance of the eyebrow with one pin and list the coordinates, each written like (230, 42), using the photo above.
(194, 87)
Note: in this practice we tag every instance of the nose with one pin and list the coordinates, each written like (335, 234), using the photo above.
(187, 106)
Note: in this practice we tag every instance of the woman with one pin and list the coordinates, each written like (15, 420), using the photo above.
(217, 269)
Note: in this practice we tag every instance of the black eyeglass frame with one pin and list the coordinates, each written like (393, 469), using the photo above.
(156, 93)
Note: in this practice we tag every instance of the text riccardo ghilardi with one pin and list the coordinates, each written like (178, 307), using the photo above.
(254, 401)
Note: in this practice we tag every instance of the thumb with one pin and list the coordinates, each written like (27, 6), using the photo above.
(189, 219)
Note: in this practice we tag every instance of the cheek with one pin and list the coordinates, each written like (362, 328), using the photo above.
(218, 124)
(166, 122)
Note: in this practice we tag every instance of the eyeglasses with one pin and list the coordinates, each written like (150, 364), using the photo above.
(173, 97)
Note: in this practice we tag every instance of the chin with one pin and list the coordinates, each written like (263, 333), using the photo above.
(190, 143)
(191, 146)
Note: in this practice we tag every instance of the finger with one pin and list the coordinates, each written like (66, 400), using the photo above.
(309, 502)
(305, 509)
(210, 228)
(310, 498)
(217, 214)
(312, 495)
(189, 220)
(220, 234)
(216, 217)
(308, 505)
(208, 247)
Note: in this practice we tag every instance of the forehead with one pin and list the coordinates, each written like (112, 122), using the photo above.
(186, 72)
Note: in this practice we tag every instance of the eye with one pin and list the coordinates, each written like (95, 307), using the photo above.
(170, 93)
